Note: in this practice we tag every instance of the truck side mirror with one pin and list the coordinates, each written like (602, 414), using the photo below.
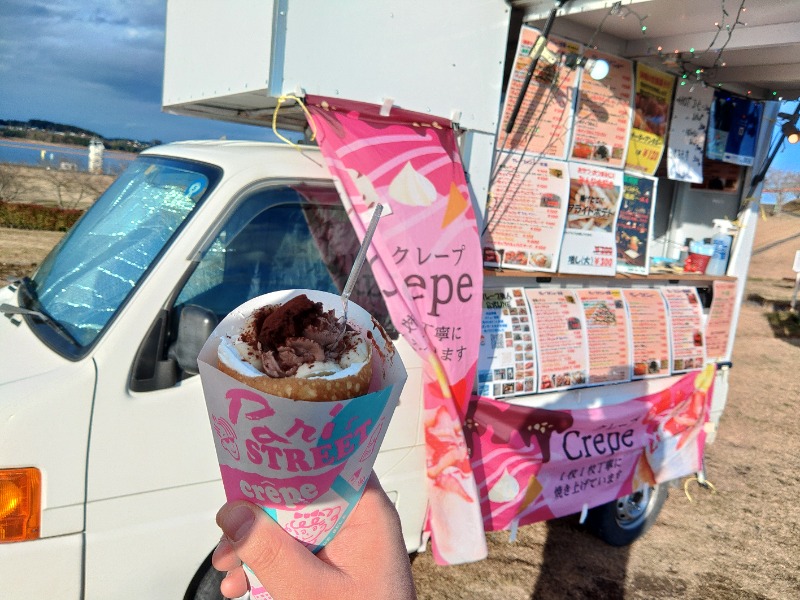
(195, 326)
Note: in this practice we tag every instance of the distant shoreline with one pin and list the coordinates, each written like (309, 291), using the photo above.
(4, 141)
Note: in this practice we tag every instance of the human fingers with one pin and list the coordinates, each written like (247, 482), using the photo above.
(224, 557)
(284, 566)
(369, 549)
(235, 583)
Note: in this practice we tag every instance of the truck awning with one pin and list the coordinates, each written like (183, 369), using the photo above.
(741, 48)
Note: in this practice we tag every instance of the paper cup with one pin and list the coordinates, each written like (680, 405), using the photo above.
(304, 463)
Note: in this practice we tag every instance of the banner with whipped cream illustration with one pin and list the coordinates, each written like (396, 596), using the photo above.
(534, 464)
(426, 258)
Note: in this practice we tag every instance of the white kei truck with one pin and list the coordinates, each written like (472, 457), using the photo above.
(109, 481)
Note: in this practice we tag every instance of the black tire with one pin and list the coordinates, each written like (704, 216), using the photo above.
(205, 585)
(626, 519)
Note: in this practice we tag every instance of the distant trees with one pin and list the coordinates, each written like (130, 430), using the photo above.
(784, 185)
(73, 188)
(46, 131)
(48, 187)
(11, 184)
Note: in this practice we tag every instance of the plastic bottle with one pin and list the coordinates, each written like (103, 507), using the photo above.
(722, 240)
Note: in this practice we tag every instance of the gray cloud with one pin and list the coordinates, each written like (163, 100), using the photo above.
(93, 63)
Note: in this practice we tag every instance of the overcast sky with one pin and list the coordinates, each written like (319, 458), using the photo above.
(97, 65)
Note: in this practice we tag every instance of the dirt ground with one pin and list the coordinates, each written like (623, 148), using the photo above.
(742, 542)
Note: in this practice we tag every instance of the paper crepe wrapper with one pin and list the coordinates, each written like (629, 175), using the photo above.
(304, 463)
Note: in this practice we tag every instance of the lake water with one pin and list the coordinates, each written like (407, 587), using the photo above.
(24, 153)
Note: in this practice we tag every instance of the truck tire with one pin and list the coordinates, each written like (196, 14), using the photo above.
(626, 519)
(205, 585)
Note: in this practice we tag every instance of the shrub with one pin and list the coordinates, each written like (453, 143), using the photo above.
(17, 215)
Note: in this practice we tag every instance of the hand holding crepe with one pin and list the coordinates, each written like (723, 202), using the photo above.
(366, 560)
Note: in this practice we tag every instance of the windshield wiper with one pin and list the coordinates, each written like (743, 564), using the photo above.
(27, 289)
(8, 309)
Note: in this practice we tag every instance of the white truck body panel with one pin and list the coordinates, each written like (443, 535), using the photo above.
(252, 52)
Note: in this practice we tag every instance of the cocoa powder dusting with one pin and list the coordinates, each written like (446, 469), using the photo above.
(295, 333)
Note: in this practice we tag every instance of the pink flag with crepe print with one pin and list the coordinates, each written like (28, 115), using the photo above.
(533, 464)
(426, 258)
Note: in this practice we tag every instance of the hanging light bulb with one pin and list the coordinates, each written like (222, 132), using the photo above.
(791, 132)
(598, 68)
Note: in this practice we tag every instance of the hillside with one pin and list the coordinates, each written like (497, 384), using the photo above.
(58, 133)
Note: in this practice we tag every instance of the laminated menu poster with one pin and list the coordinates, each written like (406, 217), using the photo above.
(686, 327)
(635, 224)
(733, 129)
(651, 115)
(649, 331)
(561, 348)
(687, 133)
(542, 124)
(608, 335)
(603, 120)
(525, 213)
(589, 244)
(506, 361)
(720, 320)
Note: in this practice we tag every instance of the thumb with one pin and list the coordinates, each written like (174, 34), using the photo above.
(282, 564)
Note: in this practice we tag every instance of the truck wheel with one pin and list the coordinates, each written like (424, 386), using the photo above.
(205, 585)
(626, 519)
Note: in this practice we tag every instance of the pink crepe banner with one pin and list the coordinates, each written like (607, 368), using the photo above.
(426, 258)
(533, 464)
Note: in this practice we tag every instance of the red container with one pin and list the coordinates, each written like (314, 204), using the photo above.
(696, 263)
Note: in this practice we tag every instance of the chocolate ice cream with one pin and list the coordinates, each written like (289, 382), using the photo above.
(297, 333)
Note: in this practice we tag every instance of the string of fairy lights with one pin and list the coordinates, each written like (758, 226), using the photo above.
(693, 66)
(690, 64)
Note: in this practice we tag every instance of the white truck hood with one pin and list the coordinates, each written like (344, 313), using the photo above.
(45, 409)
(22, 354)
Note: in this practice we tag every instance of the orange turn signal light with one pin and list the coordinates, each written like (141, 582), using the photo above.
(20, 504)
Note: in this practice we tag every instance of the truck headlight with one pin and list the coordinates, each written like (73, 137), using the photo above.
(20, 504)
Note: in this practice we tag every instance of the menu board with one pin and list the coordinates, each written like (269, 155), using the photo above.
(542, 124)
(649, 331)
(635, 224)
(506, 363)
(589, 244)
(687, 133)
(651, 114)
(525, 213)
(561, 349)
(720, 320)
(686, 326)
(607, 333)
(602, 124)
(733, 129)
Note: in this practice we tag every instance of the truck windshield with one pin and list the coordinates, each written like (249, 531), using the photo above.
(88, 276)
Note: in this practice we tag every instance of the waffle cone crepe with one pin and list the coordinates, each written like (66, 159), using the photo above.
(317, 389)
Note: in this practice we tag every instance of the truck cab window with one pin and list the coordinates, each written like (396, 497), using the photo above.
(276, 239)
